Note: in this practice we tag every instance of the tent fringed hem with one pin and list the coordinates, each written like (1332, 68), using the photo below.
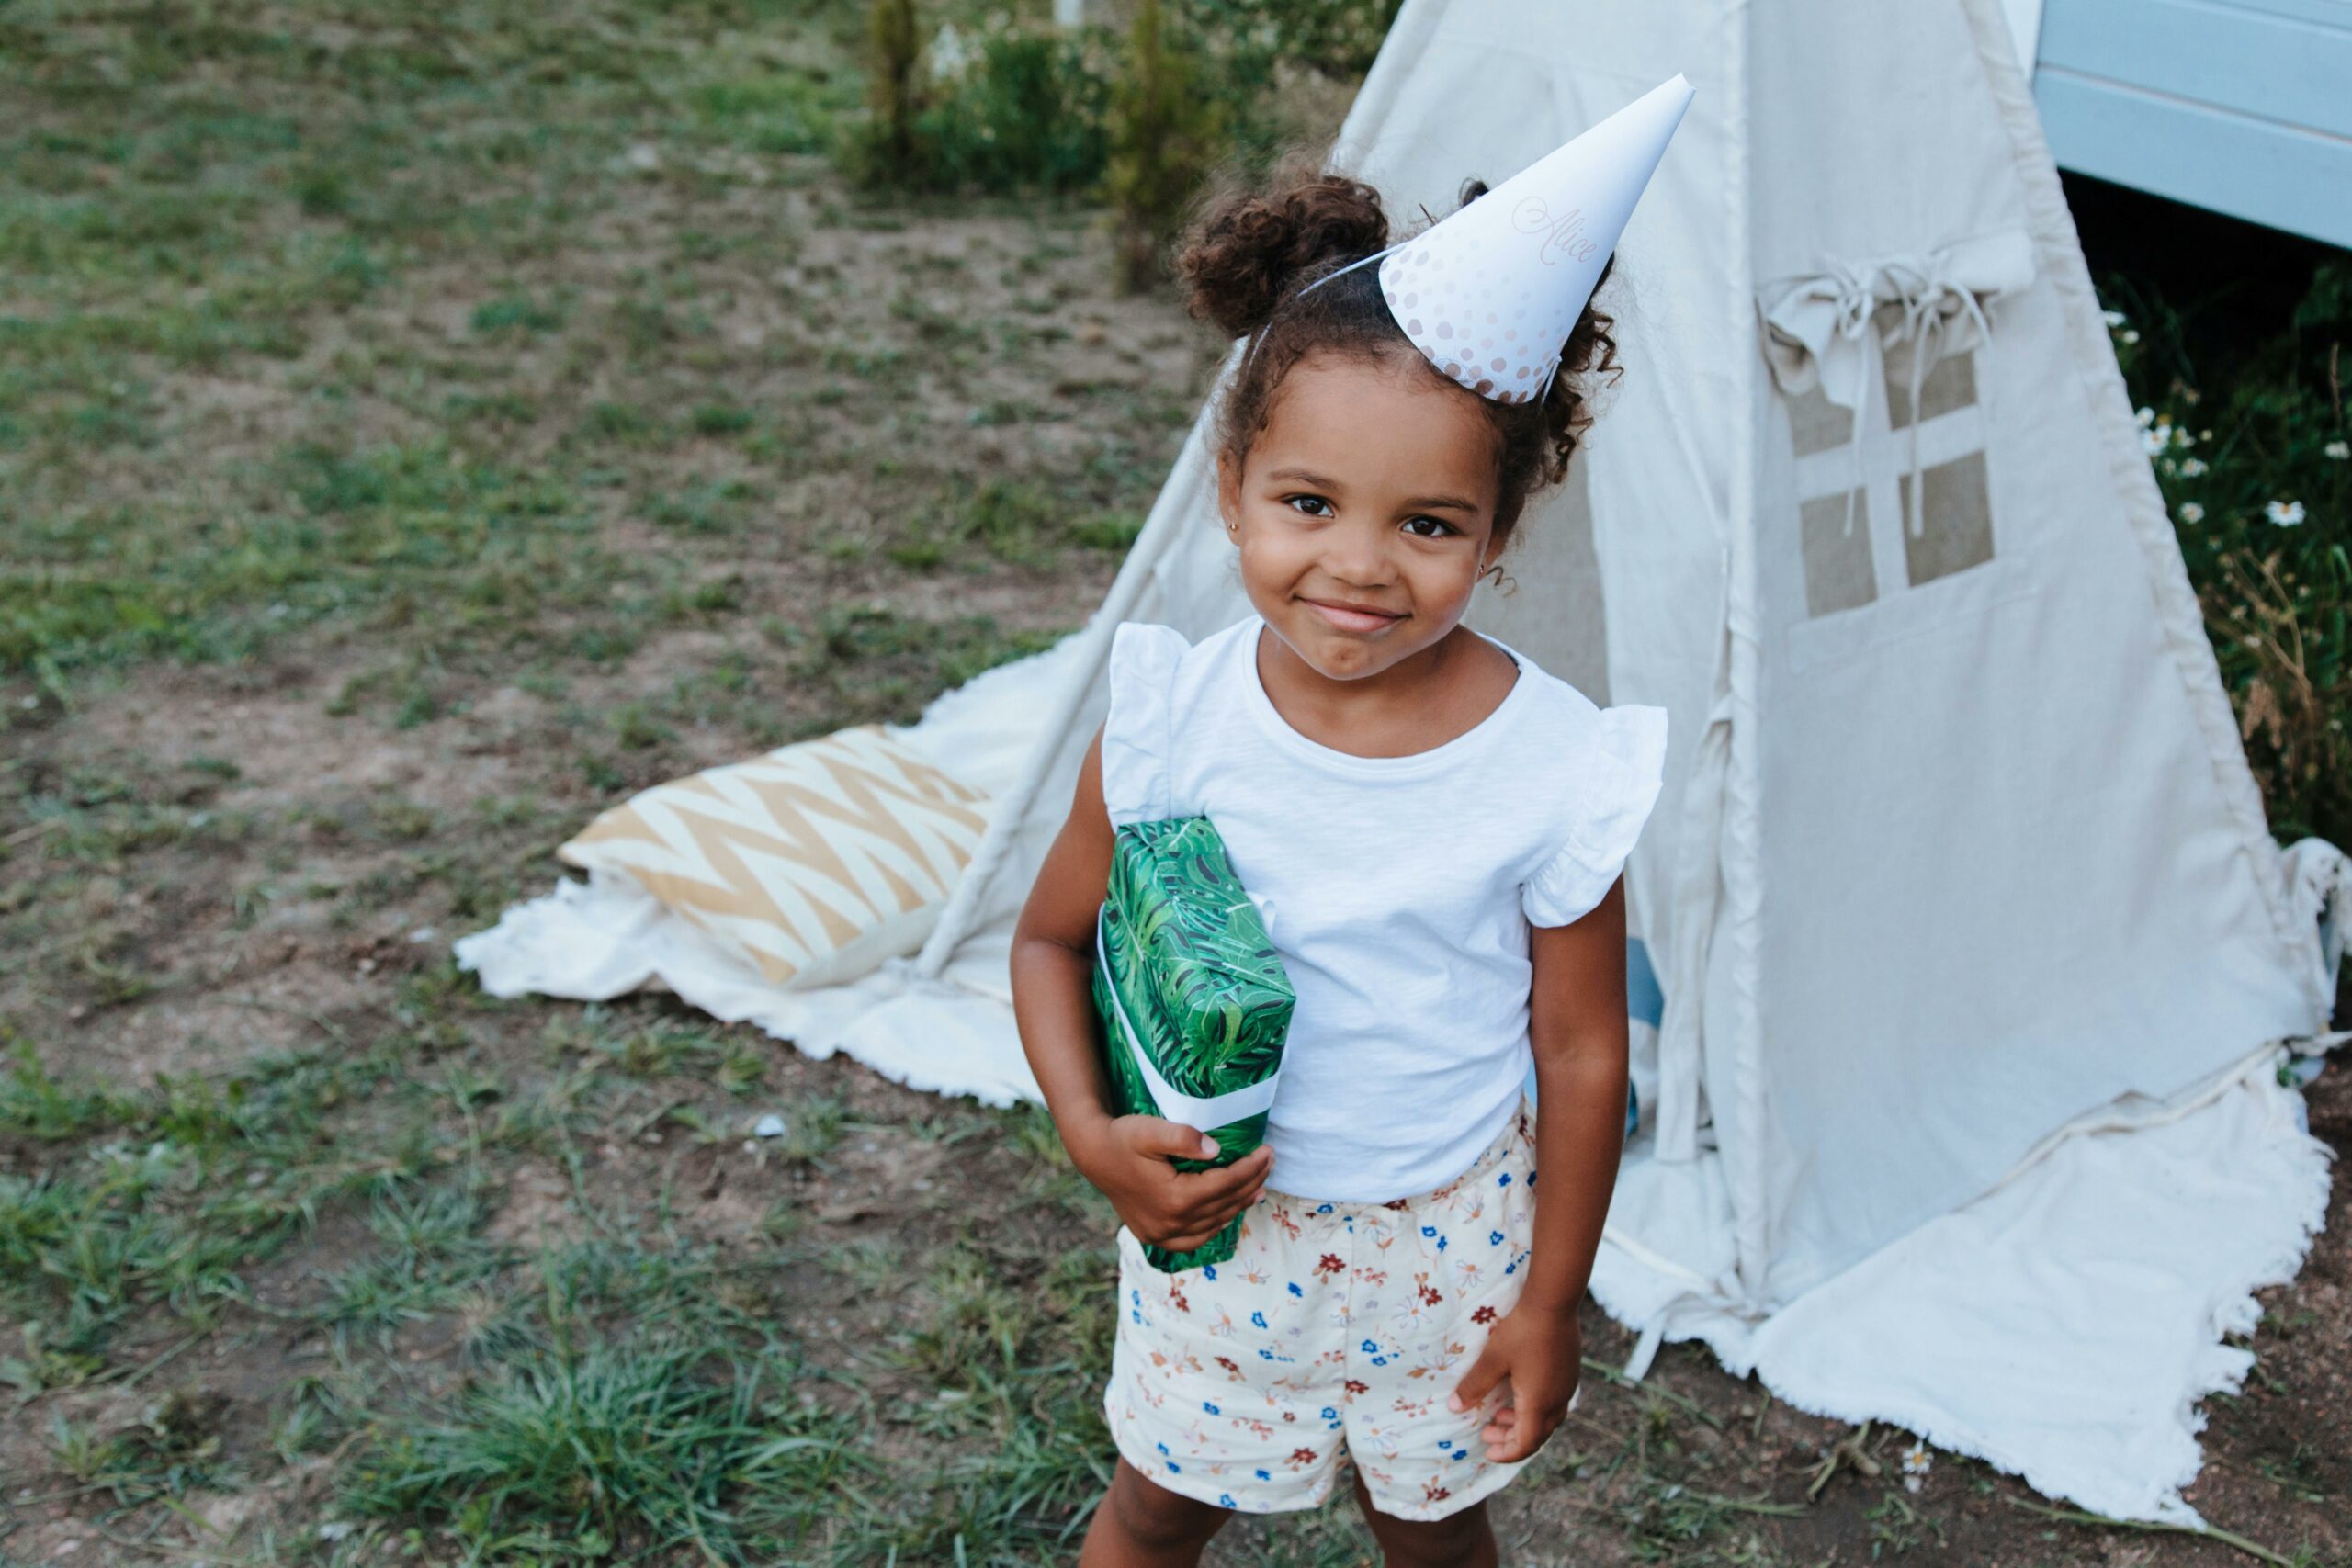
(2107, 1374)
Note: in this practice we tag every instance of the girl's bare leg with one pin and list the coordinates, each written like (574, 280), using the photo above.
(1458, 1540)
(1140, 1524)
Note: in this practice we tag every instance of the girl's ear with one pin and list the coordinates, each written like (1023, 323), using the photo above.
(1490, 555)
(1228, 490)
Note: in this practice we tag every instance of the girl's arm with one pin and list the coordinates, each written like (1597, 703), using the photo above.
(1577, 1024)
(1052, 964)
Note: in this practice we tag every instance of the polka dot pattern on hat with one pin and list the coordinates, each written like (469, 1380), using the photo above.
(1491, 293)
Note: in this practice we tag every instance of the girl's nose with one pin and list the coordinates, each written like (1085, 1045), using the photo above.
(1359, 557)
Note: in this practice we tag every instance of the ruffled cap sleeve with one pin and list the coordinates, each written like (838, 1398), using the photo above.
(1618, 771)
(1135, 734)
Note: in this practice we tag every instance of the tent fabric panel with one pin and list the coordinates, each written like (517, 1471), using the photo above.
(2005, 776)
(2177, 614)
(1894, 150)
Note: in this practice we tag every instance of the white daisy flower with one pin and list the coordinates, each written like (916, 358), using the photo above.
(2286, 514)
(1917, 1463)
(2113, 318)
(2191, 468)
(2147, 418)
(2191, 512)
(2131, 336)
(2339, 450)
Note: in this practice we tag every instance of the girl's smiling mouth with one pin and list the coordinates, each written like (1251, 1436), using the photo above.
(1349, 617)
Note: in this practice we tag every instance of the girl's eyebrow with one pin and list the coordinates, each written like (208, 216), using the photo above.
(1303, 477)
(1418, 504)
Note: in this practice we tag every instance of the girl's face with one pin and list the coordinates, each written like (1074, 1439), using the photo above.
(1364, 512)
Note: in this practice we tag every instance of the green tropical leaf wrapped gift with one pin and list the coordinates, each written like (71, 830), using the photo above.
(1194, 1000)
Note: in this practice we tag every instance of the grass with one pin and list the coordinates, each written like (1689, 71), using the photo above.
(634, 1445)
(165, 239)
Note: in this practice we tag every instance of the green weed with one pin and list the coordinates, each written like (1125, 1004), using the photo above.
(516, 315)
(36, 1103)
(2257, 469)
(635, 1444)
(430, 1257)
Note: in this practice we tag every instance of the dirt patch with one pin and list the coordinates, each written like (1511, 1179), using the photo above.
(536, 1210)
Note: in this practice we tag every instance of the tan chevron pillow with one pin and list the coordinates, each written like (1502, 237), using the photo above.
(814, 862)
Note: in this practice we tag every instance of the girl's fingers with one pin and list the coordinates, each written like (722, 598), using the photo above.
(1212, 1216)
(1226, 1207)
(1238, 1204)
(1484, 1374)
(1506, 1446)
(1210, 1198)
(1156, 1136)
(1206, 1188)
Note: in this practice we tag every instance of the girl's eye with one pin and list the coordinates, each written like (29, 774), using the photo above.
(1310, 501)
(1437, 529)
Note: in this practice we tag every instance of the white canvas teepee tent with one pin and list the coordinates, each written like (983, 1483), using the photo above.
(1963, 1111)
(1959, 846)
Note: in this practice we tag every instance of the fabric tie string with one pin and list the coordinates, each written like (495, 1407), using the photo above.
(1814, 328)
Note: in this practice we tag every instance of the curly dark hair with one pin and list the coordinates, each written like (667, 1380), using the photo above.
(1247, 254)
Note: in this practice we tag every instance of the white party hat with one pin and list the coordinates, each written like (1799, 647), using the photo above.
(1491, 292)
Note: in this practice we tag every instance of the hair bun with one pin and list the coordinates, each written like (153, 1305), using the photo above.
(1248, 251)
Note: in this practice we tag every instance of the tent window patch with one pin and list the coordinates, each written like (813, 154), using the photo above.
(1865, 536)
(1838, 571)
(1817, 425)
(1955, 529)
(1948, 386)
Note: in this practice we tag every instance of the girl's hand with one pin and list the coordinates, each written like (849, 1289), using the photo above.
(1128, 1158)
(1541, 1351)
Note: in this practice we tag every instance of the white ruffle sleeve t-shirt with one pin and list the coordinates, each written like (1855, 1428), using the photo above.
(1399, 890)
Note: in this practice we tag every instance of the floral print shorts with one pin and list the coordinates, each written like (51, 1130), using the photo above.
(1336, 1334)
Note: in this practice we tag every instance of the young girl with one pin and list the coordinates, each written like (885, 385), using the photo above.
(1437, 829)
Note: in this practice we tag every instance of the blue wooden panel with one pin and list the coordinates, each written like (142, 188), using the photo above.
(2250, 60)
(2284, 176)
(2327, 12)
